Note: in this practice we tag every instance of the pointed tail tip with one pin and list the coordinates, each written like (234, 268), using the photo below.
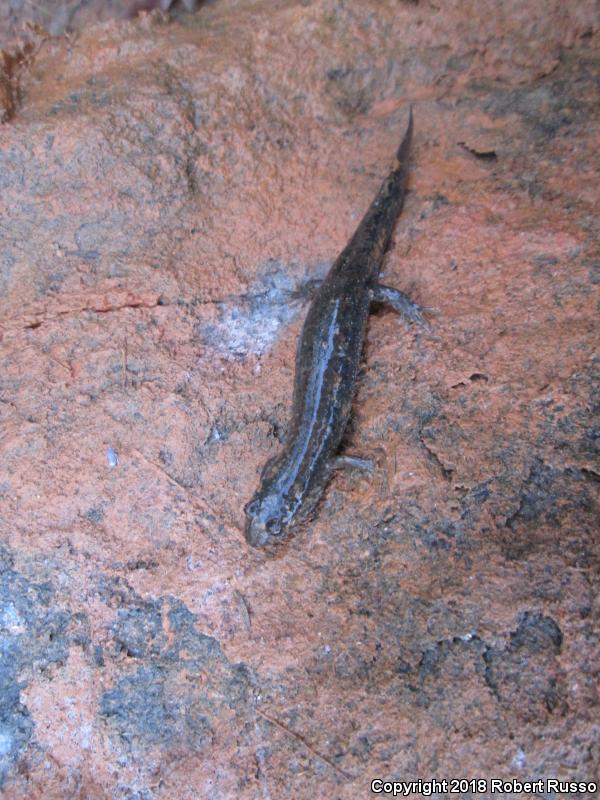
(406, 140)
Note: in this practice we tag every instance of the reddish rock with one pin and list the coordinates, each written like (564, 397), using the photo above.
(168, 190)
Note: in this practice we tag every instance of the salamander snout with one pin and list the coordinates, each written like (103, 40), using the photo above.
(266, 518)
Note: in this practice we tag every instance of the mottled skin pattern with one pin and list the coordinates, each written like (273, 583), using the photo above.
(327, 362)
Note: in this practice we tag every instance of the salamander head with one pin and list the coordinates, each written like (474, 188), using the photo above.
(267, 516)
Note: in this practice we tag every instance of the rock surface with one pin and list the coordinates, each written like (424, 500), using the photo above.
(168, 189)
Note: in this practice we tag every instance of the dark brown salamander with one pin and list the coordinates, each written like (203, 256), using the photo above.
(327, 362)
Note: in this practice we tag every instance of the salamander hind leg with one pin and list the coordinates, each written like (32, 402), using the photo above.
(307, 290)
(400, 302)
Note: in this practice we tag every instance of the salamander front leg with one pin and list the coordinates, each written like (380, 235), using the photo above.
(352, 462)
(400, 302)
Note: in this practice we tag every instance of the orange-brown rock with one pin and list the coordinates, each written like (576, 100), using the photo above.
(168, 188)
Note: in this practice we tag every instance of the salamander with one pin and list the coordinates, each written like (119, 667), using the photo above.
(327, 363)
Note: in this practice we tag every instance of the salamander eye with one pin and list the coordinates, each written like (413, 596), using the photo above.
(273, 526)
(251, 508)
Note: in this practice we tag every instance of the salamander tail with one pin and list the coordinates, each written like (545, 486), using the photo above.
(404, 148)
